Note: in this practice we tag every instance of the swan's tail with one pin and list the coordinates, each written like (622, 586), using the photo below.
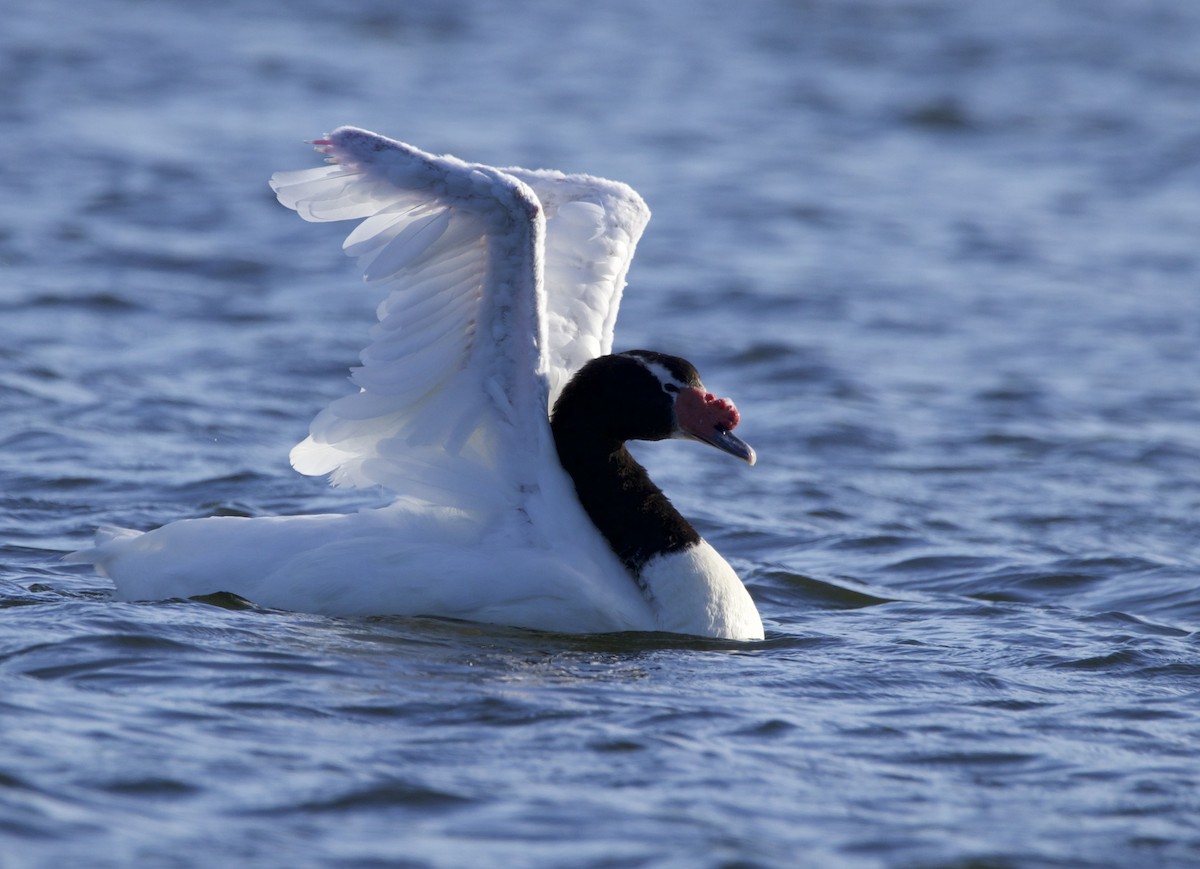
(108, 537)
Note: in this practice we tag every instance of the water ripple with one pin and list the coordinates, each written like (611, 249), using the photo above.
(940, 253)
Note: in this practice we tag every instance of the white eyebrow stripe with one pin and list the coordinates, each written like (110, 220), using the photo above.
(664, 376)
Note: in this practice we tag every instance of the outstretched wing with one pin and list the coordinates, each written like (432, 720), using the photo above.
(453, 387)
(592, 228)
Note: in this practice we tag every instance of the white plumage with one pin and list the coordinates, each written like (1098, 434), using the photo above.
(497, 284)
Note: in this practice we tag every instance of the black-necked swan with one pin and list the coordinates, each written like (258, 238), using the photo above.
(502, 288)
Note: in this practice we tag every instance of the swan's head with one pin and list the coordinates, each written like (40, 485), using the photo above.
(644, 395)
(696, 414)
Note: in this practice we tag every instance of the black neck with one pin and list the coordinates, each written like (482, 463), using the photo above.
(624, 504)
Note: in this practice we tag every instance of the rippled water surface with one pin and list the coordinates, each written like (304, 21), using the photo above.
(944, 256)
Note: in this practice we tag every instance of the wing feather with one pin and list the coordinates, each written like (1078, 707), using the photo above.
(453, 377)
(592, 229)
(499, 283)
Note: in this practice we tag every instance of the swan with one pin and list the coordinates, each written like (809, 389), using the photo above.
(490, 404)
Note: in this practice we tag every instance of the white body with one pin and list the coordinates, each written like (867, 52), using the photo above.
(397, 561)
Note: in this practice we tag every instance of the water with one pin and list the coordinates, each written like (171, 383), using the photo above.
(942, 254)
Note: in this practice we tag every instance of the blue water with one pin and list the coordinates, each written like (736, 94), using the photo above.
(943, 255)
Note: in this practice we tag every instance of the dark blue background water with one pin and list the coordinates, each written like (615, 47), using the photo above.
(945, 257)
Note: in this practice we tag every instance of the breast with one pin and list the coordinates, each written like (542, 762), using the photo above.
(694, 591)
